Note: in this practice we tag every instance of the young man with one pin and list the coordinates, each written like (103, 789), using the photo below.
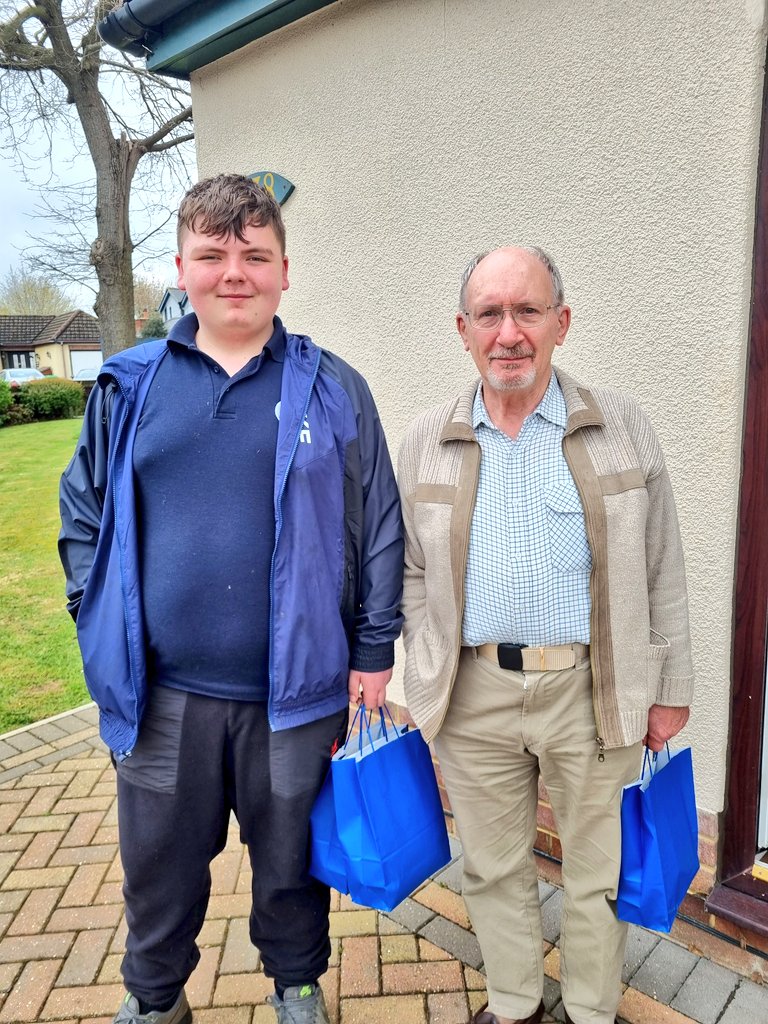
(232, 543)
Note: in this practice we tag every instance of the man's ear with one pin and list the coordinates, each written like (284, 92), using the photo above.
(461, 327)
(564, 322)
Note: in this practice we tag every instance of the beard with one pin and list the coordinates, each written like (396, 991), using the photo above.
(521, 379)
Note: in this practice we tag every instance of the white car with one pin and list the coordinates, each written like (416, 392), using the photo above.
(20, 375)
(88, 373)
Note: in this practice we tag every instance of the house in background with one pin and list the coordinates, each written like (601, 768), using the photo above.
(140, 320)
(174, 305)
(630, 140)
(59, 345)
(17, 334)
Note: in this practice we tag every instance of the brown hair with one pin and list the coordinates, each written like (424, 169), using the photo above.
(226, 205)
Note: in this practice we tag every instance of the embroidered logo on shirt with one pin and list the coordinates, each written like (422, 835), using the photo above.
(305, 437)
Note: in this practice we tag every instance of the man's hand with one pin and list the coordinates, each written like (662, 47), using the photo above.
(664, 723)
(369, 688)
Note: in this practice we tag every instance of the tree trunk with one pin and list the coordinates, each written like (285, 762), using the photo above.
(47, 49)
(115, 161)
(111, 252)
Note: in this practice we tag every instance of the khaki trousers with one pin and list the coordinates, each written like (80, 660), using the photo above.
(503, 730)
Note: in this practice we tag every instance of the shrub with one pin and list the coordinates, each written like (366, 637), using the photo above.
(154, 327)
(6, 398)
(52, 399)
(17, 414)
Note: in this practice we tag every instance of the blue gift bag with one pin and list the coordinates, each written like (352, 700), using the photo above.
(328, 862)
(378, 827)
(659, 840)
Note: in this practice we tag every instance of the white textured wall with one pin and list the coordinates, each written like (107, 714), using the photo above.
(621, 136)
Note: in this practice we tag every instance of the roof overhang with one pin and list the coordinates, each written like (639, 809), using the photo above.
(179, 36)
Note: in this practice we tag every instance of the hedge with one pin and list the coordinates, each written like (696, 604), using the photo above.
(50, 399)
(6, 399)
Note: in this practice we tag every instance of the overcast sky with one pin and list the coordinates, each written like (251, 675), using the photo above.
(18, 203)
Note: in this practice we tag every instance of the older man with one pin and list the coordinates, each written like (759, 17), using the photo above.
(546, 627)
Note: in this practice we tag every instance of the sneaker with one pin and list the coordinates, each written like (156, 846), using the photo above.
(302, 1004)
(128, 1013)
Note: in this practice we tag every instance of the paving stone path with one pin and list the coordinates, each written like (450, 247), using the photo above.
(62, 927)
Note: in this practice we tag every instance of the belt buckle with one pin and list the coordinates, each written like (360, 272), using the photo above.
(511, 656)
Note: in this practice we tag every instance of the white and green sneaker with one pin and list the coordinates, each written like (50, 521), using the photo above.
(301, 1004)
(128, 1013)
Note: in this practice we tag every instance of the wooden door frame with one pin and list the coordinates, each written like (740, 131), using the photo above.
(738, 896)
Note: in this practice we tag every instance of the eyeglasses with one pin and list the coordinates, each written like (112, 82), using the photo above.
(527, 314)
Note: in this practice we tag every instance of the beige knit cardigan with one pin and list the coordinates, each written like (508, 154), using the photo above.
(640, 643)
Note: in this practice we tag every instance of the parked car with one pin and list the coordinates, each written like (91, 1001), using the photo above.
(20, 375)
(88, 373)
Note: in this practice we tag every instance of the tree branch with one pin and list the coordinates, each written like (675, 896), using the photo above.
(151, 141)
(16, 51)
(163, 146)
(15, 26)
(120, 118)
(155, 230)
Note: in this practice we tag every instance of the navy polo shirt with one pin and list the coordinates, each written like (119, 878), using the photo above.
(204, 461)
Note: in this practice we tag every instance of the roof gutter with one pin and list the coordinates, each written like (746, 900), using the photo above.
(130, 27)
(176, 37)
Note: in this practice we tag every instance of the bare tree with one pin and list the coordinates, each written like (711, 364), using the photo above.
(27, 294)
(147, 294)
(56, 74)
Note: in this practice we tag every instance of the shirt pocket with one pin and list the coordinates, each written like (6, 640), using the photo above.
(567, 536)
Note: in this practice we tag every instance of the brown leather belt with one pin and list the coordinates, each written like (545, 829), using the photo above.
(533, 659)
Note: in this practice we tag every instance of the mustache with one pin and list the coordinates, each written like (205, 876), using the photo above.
(515, 352)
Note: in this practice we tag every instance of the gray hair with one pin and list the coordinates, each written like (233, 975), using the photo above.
(558, 291)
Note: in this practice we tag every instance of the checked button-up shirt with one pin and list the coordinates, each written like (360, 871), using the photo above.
(529, 562)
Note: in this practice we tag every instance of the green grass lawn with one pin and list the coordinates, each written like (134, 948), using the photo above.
(40, 670)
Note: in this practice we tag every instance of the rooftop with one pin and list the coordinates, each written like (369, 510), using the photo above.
(76, 326)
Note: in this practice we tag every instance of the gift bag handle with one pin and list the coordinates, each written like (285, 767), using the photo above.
(366, 722)
(650, 762)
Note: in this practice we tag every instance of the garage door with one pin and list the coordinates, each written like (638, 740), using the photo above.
(85, 361)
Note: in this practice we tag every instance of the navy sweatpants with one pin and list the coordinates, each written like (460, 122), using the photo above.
(198, 759)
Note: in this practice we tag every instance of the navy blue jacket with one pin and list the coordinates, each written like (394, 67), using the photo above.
(336, 578)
